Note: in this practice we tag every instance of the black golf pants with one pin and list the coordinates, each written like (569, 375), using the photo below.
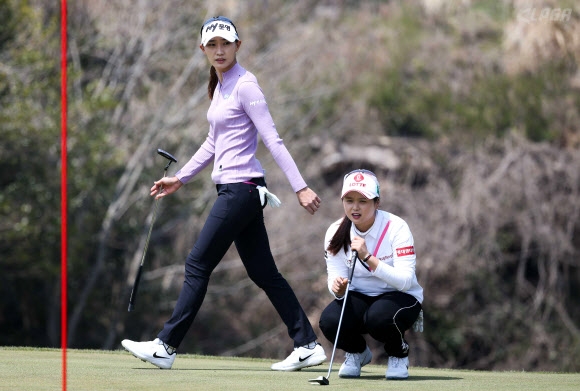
(385, 318)
(237, 217)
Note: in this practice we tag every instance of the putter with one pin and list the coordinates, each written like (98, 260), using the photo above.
(321, 380)
(171, 159)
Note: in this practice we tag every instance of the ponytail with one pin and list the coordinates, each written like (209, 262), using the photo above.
(213, 80)
(341, 238)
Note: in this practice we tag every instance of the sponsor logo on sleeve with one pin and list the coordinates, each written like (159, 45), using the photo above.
(386, 257)
(257, 102)
(404, 251)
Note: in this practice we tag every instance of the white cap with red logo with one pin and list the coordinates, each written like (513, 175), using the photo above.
(363, 182)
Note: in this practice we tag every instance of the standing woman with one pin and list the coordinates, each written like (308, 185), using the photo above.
(384, 298)
(238, 113)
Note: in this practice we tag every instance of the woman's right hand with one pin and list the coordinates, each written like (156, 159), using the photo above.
(165, 186)
(309, 200)
(339, 286)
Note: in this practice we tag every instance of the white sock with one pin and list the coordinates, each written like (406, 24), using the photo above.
(170, 350)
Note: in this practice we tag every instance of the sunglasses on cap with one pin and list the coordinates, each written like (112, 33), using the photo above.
(217, 19)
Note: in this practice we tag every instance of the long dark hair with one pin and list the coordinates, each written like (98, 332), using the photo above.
(341, 238)
(213, 80)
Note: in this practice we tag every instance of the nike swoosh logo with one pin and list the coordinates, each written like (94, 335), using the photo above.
(305, 358)
(156, 356)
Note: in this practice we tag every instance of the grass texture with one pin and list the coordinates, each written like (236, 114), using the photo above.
(40, 369)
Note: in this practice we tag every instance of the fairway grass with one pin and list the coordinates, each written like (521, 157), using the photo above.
(40, 369)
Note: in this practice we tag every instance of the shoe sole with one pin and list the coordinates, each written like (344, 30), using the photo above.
(144, 359)
(308, 365)
(296, 369)
(147, 361)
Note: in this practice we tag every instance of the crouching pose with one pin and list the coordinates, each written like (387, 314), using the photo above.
(384, 298)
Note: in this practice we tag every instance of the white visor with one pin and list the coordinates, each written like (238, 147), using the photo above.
(218, 29)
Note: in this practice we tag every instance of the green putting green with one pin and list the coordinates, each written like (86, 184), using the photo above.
(41, 369)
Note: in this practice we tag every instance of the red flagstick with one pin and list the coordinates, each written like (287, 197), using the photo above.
(63, 191)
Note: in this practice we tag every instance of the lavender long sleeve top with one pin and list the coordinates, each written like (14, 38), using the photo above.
(237, 114)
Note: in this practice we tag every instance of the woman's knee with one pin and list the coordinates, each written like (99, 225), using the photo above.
(377, 324)
(268, 279)
(195, 268)
(329, 319)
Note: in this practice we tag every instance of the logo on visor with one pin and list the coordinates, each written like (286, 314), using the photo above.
(212, 27)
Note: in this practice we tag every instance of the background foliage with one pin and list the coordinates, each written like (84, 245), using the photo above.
(468, 112)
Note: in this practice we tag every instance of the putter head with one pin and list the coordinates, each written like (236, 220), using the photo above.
(166, 155)
(320, 380)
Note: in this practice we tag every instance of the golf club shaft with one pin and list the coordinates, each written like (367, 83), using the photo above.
(337, 332)
(355, 254)
(138, 276)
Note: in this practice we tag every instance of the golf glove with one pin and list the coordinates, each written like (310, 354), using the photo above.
(418, 325)
(272, 199)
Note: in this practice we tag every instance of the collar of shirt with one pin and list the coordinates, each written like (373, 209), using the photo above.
(230, 78)
(372, 231)
(372, 235)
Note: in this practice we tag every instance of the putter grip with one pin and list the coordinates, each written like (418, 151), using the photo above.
(353, 263)
(135, 288)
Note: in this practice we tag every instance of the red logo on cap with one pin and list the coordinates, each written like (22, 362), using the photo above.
(359, 177)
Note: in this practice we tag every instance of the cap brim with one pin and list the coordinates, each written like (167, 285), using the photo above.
(367, 195)
(228, 37)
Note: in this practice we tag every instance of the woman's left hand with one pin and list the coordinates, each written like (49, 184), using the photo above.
(309, 200)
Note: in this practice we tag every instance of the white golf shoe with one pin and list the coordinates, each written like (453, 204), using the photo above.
(301, 358)
(154, 352)
(398, 368)
(354, 362)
